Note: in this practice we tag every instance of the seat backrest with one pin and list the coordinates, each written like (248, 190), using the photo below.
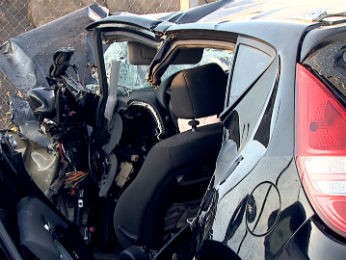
(198, 92)
(138, 216)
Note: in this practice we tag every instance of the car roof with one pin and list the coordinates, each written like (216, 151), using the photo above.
(307, 11)
(273, 21)
(293, 10)
(151, 21)
(280, 24)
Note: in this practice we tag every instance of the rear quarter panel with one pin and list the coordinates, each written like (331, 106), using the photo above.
(260, 202)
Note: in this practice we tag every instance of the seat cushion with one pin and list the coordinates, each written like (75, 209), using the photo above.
(138, 217)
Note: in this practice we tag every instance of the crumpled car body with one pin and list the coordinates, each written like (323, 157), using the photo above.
(275, 187)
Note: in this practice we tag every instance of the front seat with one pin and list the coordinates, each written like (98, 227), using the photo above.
(139, 213)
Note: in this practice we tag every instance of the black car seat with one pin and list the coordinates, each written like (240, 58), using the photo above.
(45, 234)
(194, 93)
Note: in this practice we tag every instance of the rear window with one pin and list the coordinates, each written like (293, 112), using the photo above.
(330, 63)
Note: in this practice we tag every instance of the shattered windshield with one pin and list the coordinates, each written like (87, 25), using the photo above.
(128, 76)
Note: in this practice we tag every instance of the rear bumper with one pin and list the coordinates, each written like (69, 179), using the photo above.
(310, 242)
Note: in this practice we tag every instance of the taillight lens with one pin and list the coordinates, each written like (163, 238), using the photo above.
(321, 148)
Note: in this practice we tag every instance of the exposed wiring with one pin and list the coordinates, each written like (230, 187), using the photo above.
(73, 179)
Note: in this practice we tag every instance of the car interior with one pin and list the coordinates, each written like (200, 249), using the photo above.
(169, 169)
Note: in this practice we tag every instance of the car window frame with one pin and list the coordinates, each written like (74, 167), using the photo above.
(256, 44)
(187, 38)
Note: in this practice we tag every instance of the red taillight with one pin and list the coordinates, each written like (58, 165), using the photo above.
(321, 148)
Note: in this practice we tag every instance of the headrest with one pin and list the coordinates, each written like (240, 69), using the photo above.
(198, 92)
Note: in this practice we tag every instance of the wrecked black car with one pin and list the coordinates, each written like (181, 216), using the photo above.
(212, 133)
